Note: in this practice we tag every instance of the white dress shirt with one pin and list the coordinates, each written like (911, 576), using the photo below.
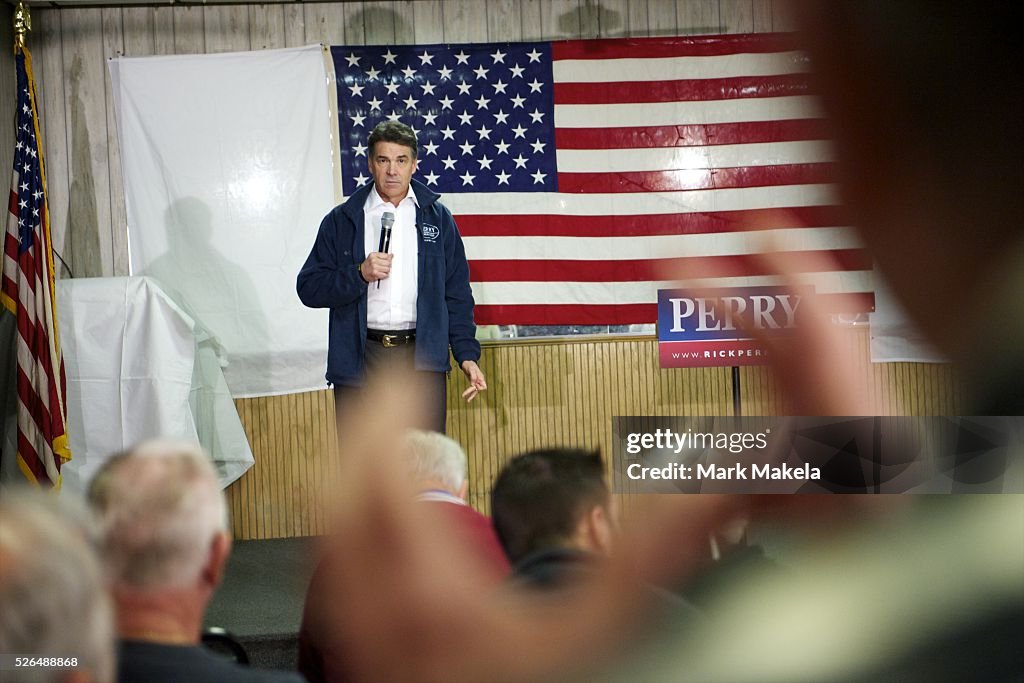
(392, 306)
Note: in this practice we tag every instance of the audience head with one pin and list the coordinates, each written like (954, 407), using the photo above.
(437, 462)
(163, 518)
(552, 498)
(52, 590)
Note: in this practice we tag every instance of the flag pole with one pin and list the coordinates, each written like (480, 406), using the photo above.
(22, 25)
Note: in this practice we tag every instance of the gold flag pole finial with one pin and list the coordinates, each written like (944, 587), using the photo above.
(22, 25)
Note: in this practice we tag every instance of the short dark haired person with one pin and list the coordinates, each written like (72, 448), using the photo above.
(553, 514)
(403, 308)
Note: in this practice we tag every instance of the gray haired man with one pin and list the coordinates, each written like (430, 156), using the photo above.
(164, 525)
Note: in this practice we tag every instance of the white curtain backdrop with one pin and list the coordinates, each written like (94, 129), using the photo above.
(227, 162)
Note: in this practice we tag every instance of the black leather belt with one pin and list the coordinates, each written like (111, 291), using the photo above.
(390, 339)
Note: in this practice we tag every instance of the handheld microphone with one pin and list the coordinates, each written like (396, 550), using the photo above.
(386, 221)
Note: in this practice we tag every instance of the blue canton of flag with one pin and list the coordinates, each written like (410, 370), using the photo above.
(26, 165)
(483, 113)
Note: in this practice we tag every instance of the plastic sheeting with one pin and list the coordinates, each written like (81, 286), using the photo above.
(228, 171)
(139, 367)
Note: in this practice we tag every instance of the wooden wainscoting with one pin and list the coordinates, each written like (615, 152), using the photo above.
(541, 393)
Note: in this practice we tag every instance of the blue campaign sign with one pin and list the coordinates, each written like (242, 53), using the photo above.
(702, 328)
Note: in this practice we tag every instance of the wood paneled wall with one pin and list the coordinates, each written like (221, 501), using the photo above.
(540, 394)
(71, 48)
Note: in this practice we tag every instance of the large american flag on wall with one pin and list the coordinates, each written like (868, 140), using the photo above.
(27, 291)
(577, 171)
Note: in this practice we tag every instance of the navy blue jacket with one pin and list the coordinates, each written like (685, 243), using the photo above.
(444, 303)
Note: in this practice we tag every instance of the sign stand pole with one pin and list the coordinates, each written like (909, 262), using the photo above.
(737, 408)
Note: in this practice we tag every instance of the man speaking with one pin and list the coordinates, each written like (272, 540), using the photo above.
(391, 266)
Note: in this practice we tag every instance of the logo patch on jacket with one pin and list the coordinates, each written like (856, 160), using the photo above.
(430, 232)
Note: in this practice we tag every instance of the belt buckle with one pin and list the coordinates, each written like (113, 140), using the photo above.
(388, 340)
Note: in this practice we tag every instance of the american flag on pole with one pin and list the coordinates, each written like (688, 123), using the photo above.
(578, 170)
(28, 292)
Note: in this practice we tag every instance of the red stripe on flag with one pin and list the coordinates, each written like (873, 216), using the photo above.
(695, 135)
(547, 225)
(34, 463)
(10, 288)
(848, 302)
(36, 408)
(637, 270)
(27, 264)
(11, 246)
(691, 90)
(566, 314)
(696, 179)
(629, 314)
(690, 46)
